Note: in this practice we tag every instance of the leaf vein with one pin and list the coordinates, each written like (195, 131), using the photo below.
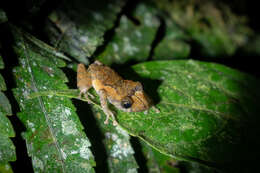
(42, 106)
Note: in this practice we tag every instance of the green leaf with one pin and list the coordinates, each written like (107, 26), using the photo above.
(54, 136)
(3, 17)
(212, 25)
(44, 48)
(206, 111)
(2, 83)
(5, 106)
(5, 168)
(7, 149)
(1, 60)
(173, 45)
(132, 42)
(116, 141)
(80, 26)
(158, 162)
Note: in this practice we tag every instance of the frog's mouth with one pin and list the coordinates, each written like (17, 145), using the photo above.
(140, 102)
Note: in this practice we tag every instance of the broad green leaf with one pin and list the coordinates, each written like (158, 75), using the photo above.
(54, 135)
(132, 42)
(5, 168)
(207, 114)
(3, 17)
(158, 162)
(116, 141)
(161, 163)
(212, 25)
(80, 25)
(7, 149)
(173, 45)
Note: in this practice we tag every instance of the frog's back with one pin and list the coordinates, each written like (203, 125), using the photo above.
(104, 74)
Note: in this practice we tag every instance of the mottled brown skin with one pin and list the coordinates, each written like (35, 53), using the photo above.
(126, 95)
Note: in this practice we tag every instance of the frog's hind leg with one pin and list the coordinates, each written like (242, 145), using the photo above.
(103, 101)
(84, 82)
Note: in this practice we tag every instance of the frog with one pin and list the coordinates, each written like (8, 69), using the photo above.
(125, 95)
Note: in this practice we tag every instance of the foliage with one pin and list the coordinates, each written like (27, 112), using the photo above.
(132, 42)
(173, 45)
(208, 118)
(78, 31)
(217, 31)
(3, 17)
(54, 135)
(7, 148)
(201, 106)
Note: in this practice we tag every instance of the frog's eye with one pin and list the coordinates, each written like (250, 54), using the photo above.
(126, 103)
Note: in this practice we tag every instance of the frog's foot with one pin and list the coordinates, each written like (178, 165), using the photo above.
(108, 114)
(91, 95)
(115, 123)
(98, 62)
(87, 98)
(81, 93)
(86, 94)
(156, 109)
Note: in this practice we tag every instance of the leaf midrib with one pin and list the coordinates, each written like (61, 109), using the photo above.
(42, 106)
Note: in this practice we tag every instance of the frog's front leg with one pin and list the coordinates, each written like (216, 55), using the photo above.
(103, 101)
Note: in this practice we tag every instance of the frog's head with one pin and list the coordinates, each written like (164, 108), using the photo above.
(136, 101)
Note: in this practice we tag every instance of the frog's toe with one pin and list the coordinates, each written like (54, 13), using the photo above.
(115, 123)
(98, 62)
(91, 95)
(87, 99)
(106, 121)
(156, 110)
